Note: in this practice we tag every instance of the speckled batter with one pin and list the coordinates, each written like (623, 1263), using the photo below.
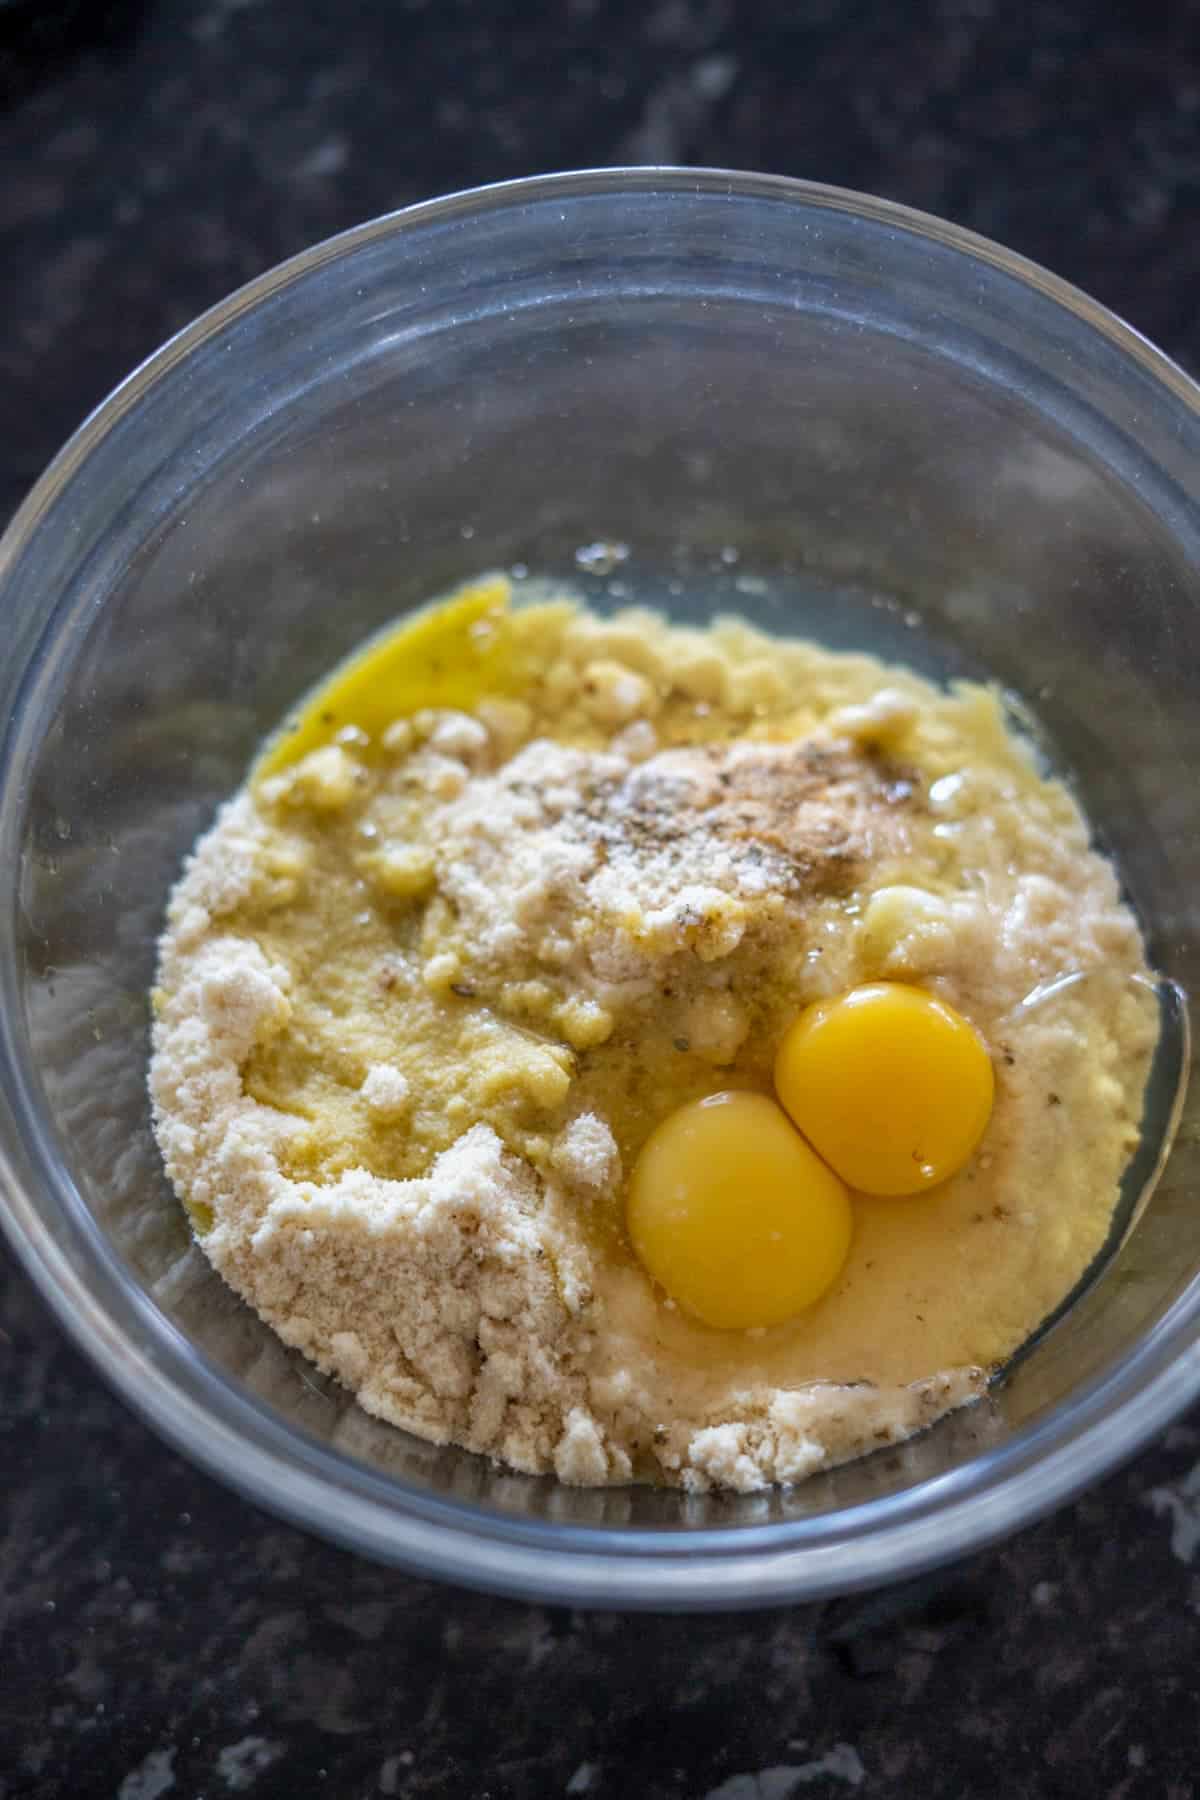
(433, 977)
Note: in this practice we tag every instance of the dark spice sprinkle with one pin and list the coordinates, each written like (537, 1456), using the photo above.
(1053, 1099)
(682, 1043)
(462, 990)
(327, 718)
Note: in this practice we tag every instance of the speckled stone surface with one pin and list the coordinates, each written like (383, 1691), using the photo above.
(157, 1635)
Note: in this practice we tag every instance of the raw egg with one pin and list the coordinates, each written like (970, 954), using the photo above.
(890, 1085)
(732, 1213)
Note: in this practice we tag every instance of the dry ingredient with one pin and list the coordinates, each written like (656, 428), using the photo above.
(437, 972)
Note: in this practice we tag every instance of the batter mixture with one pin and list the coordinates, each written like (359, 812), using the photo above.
(519, 888)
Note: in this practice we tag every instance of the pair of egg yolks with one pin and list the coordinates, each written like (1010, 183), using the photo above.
(742, 1213)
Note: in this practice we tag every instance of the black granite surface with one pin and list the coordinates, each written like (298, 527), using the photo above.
(157, 1635)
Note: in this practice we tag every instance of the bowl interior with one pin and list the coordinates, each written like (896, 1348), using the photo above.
(809, 412)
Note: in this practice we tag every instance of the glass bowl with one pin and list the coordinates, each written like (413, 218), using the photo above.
(830, 413)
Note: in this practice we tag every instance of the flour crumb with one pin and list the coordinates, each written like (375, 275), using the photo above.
(385, 1091)
(637, 742)
(579, 1456)
(457, 734)
(586, 1153)
(719, 1457)
(883, 719)
(239, 995)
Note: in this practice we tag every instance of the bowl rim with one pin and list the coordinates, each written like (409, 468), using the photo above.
(242, 1442)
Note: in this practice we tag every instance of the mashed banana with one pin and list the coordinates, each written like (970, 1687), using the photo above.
(433, 977)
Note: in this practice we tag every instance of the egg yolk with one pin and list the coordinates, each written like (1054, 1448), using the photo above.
(732, 1213)
(890, 1085)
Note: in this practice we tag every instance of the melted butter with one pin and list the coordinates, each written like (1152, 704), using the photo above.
(449, 655)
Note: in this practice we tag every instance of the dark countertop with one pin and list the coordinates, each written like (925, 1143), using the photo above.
(157, 1635)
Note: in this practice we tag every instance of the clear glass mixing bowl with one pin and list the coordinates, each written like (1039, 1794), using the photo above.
(907, 437)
